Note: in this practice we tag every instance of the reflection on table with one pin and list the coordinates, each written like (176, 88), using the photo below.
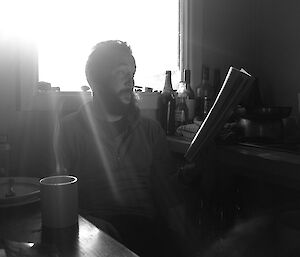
(21, 234)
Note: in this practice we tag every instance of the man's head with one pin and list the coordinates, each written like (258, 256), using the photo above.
(110, 72)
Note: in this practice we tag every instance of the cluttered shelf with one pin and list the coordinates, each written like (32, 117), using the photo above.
(275, 161)
(229, 122)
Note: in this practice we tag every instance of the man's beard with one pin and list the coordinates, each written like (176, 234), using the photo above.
(110, 102)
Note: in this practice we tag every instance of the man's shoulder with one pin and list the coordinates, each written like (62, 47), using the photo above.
(151, 127)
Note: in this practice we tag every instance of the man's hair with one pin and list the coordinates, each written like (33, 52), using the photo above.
(103, 58)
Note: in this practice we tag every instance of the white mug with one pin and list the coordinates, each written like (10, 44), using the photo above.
(59, 201)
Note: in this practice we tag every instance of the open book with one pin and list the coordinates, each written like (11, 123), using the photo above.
(235, 86)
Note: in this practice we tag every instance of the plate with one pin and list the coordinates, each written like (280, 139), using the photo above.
(27, 191)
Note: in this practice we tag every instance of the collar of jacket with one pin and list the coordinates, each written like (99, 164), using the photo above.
(88, 114)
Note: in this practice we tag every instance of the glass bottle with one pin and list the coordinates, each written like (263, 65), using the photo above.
(181, 111)
(206, 106)
(187, 79)
(190, 100)
(201, 91)
(206, 86)
(4, 156)
(216, 82)
(167, 106)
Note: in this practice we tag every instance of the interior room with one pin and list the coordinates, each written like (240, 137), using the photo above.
(228, 71)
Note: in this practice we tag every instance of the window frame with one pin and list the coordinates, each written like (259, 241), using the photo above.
(184, 35)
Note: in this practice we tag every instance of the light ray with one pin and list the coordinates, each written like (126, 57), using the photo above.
(101, 153)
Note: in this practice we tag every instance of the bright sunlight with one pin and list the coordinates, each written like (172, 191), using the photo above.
(65, 31)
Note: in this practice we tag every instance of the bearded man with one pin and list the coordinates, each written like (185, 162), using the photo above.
(121, 159)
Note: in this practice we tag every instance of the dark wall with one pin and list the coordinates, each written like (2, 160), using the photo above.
(261, 36)
(222, 35)
(279, 51)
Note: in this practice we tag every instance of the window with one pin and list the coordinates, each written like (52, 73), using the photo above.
(69, 29)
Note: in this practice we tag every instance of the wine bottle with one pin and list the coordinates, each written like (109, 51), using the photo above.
(167, 106)
(202, 90)
(217, 82)
(187, 79)
(190, 99)
(181, 111)
(4, 156)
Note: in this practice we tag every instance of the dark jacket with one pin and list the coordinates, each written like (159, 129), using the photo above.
(129, 172)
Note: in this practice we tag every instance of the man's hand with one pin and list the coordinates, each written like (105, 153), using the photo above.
(192, 173)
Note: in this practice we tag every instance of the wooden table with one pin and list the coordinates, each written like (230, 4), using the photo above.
(22, 225)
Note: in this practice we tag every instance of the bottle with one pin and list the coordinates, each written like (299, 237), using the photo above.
(206, 106)
(167, 106)
(199, 103)
(201, 91)
(206, 86)
(216, 82)
(190, 99)
(4, 156)
(187, 79)
(181, 111)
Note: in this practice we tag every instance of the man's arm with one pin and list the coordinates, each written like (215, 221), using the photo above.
(168, 191)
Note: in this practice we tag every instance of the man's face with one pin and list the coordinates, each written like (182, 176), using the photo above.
(122, 78)
(116, 94)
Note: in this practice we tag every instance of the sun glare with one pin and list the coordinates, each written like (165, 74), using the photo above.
(65, 31)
